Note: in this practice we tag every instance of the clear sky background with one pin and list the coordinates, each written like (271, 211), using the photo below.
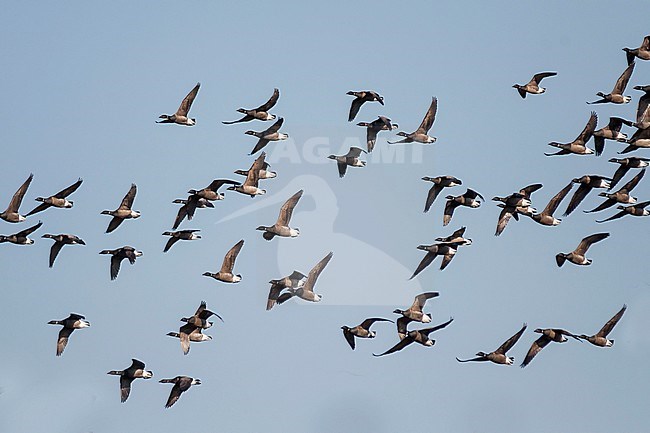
(82, 86)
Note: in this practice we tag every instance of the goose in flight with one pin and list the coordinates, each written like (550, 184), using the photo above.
(306, 291)
(349, 159)
(124, 211)
(616, 96)
(360, 98)
(119, 254)
(577, 256)
(499, 356)
(373, 128)
(59, 241)
(225, 273)
(421, 135)
(281, 227)
(72, 322)
(57, 200)
(420, 336)
(181, 384)
(533, 86)
(362, 330)
(600, 339)
(259, 113)
(270, 134)
(135, 371)
(579, 145)
(180, 117)
(439, 182)
(21, 238)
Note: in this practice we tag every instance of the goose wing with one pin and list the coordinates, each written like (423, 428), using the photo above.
(231, 256)
(429, 117)
(115, 223)
(62, 340)
(17, 198)
(184, 333)
(349, 337)
(127, 201)
(186, 104)
(427, 331)
(69, 190)
(426, 261)
(504, 217)
(555, 201)
(507, 345)
(275, 127)
(535, 348)
(54, 251)
(577, 198)
(450, 206)
(642, 111)
(584, 244)
(271, 102)
(634, 182)
(611, 323)
(621, 214)
(354, 152)
(622, 81)
(286, 211)
(125, 387)
(316, 271)
(537, 78)
(29, 231)
(528, 190)
(421, 299)
(171, 241)
(174, 395)
(116, 261)
(354, 108)
(399, 346)
(589, 128)
(366, 324)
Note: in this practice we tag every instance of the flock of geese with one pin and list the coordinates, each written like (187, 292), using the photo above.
(299, 285)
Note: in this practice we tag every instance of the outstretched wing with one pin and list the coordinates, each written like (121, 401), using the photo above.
(271, 102)
(555, 201)
(399, 346)
(69, 190)
(17, 198)
(588, 131)
(127, 201)
(186, 104)
(287, 209)
(622, 81)
(537, 78)
(634, 182)
(535, 348)
(54, 251)
(316, 271)
(612, 322)
(426, 261)
(231, 256)
(584, 244)
(349, 337)
(507, 345)
(429, 117)
(62, 341)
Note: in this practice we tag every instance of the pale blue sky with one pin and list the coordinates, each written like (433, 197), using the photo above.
(82, 86)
